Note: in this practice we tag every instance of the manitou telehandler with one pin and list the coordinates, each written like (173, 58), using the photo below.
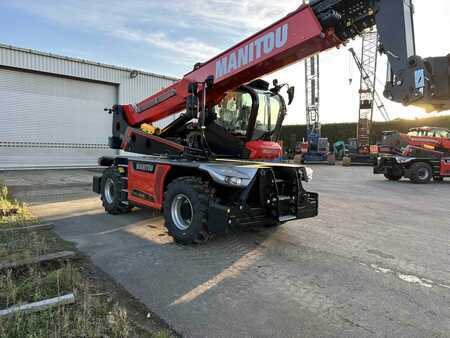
(419, 164)
(432, 138)
(420, 155)
(198, 170)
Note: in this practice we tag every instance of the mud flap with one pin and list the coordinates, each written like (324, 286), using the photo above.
(218, 217)
(96, 184)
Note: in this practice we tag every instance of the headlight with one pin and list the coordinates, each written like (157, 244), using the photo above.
(233, 180)
(309, 174)
(229, 174)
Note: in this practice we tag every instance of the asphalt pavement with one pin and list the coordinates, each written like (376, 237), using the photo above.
(375, 263)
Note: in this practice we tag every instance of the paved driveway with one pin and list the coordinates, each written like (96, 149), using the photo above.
(376, 262)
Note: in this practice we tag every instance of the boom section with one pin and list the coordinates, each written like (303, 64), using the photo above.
(289, 40)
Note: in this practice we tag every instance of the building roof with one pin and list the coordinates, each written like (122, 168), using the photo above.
(83, 61)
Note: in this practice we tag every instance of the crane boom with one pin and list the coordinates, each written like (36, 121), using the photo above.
(309, 30)
(289, 40)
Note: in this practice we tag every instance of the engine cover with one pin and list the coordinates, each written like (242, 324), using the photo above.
(264, 150)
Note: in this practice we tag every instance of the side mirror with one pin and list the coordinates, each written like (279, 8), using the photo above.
(291, 94)
(275, 83)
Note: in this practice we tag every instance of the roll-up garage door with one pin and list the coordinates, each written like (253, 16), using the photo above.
(50, 121)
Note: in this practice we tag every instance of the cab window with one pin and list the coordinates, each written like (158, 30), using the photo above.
(233, 113)
(268, 114)
(443, 133)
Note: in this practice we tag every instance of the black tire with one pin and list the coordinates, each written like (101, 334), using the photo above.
(186, 203)
(438, 179)
(392, 177)
(421, 173)
(111, 192)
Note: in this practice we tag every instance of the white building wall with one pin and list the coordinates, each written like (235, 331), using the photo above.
(130, 90)
(46, 79)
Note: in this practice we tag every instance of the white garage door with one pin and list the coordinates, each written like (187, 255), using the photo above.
(52, 121)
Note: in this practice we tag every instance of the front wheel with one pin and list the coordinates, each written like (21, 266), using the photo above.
(421, 173)
(112, 189)
(186, 205)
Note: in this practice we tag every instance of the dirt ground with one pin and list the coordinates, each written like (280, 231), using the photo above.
(376, 262)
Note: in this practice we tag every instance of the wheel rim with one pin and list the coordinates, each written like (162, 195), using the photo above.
(182, 212)
(423, 174)
(109, 191)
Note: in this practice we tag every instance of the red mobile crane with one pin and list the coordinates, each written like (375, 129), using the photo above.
(182, 170)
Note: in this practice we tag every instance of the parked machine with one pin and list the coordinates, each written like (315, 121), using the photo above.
(359, 150)
(198, 169)
(420, 155)
(419, 164)
(431, 138)
(315, 149)
(339, 149)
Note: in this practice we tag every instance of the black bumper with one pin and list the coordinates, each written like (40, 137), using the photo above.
(221, 217)
(384, 165)
(308, 206)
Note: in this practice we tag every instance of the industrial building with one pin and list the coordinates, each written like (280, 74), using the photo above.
(52, 107)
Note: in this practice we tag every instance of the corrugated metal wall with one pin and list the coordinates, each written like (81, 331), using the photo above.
(130, 90)
(35, 86)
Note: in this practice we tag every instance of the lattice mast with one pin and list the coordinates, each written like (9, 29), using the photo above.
(312, 95)
(368, 96)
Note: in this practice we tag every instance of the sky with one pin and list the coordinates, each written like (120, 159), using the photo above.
(169, 37)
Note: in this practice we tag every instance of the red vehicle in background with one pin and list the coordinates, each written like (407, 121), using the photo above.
(419, 164)
(421, 155)
(431, 138)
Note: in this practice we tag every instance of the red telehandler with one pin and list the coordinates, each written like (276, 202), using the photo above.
(420, 155)
(198, 170)
(431, 138)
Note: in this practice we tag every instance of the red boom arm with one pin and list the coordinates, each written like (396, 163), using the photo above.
(287, 41)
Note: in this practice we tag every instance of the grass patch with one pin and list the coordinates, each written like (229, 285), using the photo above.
(95, 313)
(90, 316)
(13, 212)
(17, 246)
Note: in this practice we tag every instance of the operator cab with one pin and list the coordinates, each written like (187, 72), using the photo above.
(247, 122)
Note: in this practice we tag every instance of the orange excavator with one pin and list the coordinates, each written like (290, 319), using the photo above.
(201, 169)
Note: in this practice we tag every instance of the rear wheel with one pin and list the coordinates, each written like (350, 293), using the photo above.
(112, 187)
(186, 205)
(421, 173)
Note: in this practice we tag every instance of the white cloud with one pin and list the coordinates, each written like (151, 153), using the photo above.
(136, 21)
(189, 31)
